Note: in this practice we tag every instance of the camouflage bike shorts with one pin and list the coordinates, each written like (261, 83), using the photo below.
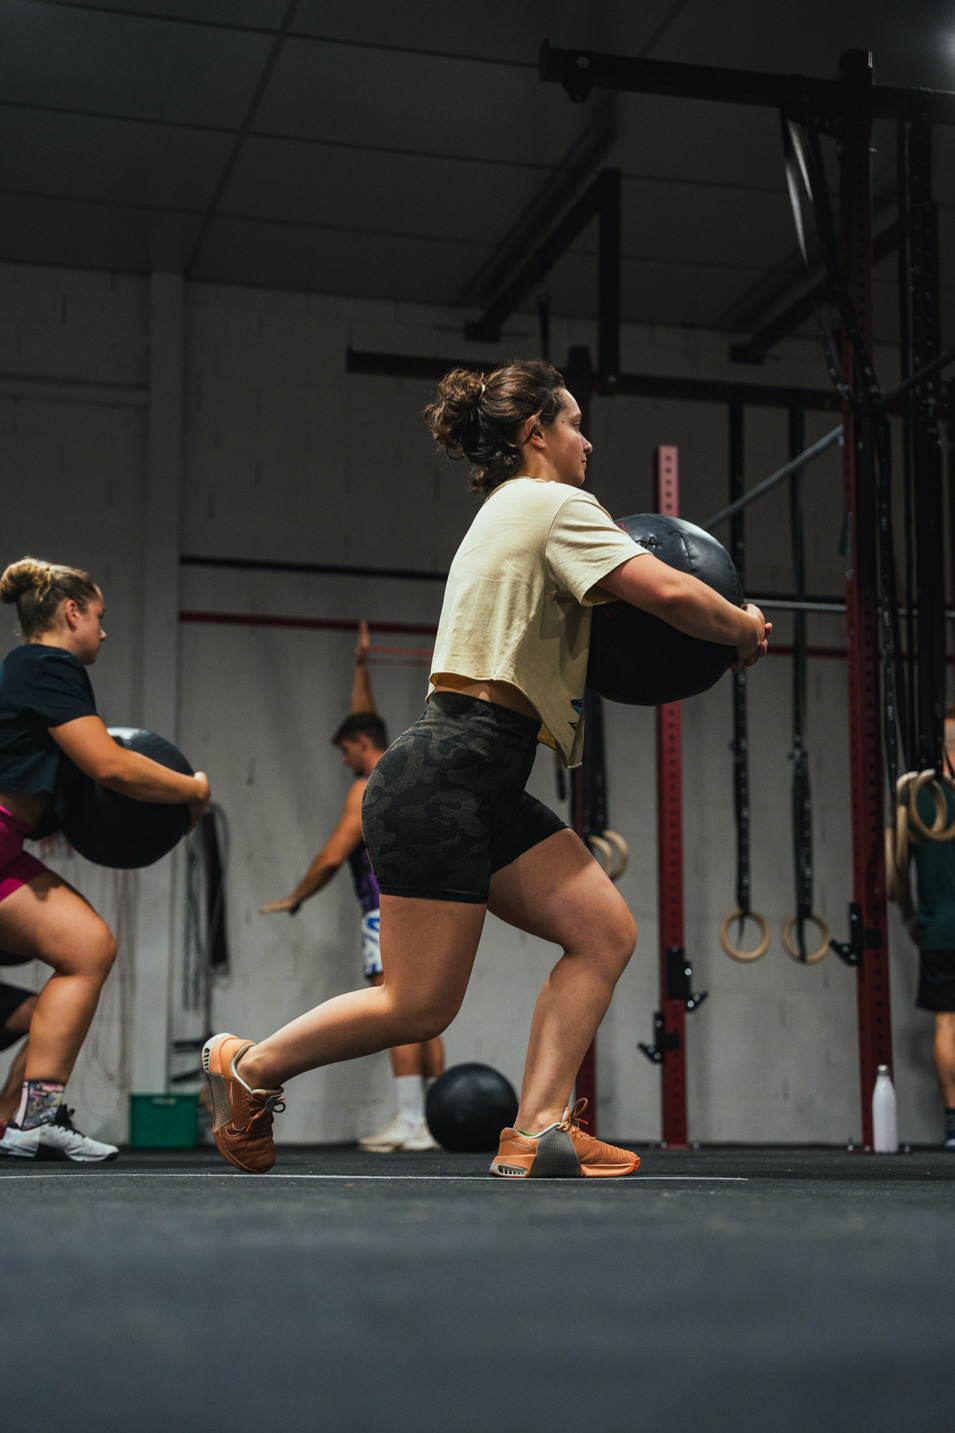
(445, 807)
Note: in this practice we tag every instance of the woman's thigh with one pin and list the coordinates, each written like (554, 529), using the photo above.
(427, 951)
(48, 920)
(557, 891)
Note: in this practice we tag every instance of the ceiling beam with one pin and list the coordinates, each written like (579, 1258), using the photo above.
(755, 348)
(581, 160)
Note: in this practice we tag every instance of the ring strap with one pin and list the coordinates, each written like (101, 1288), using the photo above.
(810, 957)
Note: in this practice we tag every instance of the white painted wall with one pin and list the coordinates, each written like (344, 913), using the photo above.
(286, 456)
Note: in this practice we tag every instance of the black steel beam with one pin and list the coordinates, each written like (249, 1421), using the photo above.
(487, 329)
(608, 284)
(635, 385)
(581, 71)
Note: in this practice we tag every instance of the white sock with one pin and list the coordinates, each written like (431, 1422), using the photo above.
(410, 1098)
(428, 1081)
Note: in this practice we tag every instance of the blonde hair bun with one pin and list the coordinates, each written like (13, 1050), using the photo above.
(24, 576)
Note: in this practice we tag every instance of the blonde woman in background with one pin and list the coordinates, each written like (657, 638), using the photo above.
(48, 711)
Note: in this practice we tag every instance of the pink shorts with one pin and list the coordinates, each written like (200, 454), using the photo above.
(16, 866)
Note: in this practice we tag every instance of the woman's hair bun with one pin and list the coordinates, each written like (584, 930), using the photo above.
(455, 409)
(22, 576)
(483, 416)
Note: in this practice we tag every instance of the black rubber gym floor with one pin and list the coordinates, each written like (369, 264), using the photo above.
(751, 1291)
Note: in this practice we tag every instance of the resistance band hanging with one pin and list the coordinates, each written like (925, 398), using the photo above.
(608, 847)
(740, 747)
(801, 790)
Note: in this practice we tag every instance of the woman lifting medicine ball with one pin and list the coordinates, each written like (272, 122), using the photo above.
(451, 831)
(48, 711)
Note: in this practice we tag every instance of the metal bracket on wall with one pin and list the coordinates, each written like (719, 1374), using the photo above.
(662, 1040)
(860, 938)
(680, 979)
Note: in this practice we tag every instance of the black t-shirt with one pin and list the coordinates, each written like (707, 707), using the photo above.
(40, 687)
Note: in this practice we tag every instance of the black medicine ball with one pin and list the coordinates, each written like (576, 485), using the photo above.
(641, 660)
(114, 830)
(468, 1106)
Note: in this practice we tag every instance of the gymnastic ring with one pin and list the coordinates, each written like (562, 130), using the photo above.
(621, 852)
(602, 852)
(902, 846)
(728, 946)
(938, 831)
(891, 869)
(790, 949)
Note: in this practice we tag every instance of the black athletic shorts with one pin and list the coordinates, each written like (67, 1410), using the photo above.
(445, 807)
(11, 998)
(936, 980)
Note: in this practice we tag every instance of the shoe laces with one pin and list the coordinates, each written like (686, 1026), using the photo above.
(64, 1118)
(271, 1105)
(573, 1120)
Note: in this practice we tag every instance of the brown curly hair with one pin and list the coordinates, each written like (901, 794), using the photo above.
(481, 416)
(38, 588)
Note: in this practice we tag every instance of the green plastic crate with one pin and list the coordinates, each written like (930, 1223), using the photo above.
(163, 1121)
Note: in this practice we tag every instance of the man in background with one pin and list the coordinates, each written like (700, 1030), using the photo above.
(362, 740)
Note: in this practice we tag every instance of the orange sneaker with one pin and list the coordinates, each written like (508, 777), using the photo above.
(562, 1151)
(241, 1118)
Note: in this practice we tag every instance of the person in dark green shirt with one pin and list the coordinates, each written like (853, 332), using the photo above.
(933, 930)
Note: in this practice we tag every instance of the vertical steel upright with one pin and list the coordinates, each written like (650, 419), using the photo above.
(868, 918)
(671, 1019)
(580, 379)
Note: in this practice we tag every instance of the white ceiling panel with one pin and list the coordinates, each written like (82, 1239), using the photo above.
(87, 59)
(396, 148)
(372, 96)
(382, 191)
(109, 159)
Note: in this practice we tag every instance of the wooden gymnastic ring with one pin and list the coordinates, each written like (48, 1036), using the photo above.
(602, 852)
(902, 850)
(938, 831)
(891, 869)
(790, 949)
(730, 948)
(621, 852)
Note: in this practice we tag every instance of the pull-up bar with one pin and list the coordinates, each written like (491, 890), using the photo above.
(822, 444)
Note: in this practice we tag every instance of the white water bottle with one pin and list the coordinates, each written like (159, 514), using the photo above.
(885, 1124)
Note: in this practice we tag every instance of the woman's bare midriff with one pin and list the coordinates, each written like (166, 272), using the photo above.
(26, 806)
(503, 694)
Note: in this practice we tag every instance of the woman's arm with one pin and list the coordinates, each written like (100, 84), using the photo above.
(90, 747)
(361, 697)
(689, 605)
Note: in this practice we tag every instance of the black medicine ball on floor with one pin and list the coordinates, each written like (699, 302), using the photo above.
(468, 1106)
(114, 830)
(640, 659)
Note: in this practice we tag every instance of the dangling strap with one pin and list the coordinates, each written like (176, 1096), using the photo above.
(740, 747)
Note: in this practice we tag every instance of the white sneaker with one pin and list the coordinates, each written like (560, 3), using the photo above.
(421, 1139)
(57, 1140)
(399, 1133)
